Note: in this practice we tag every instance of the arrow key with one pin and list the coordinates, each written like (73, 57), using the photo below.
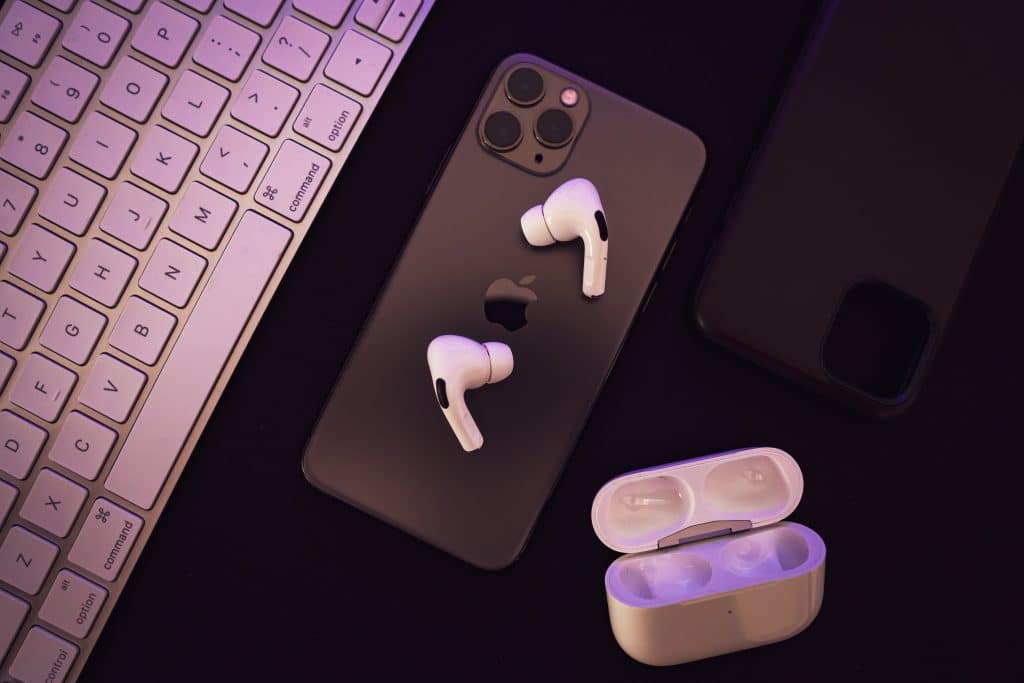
(358, 62)
(397, 21)
(112, 388)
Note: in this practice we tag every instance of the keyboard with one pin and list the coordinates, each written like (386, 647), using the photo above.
(160, 163)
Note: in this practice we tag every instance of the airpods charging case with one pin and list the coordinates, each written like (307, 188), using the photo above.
(710, 567)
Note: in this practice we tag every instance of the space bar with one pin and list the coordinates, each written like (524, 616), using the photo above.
(196, 361)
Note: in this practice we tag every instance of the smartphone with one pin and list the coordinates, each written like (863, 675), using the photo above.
(846, 247)
(382, 443)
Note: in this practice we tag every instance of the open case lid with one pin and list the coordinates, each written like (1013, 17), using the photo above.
(689, 500)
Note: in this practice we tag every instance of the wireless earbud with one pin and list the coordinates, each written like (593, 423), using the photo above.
(573, 211)
(458, 364)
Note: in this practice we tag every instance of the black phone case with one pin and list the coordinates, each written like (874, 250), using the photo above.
(382, 443)
(879, 173)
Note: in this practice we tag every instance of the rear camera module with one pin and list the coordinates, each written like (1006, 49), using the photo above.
(524, 86)
(554, 128)
(502, 131)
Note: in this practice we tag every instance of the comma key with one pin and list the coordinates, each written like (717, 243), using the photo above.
(292, 182)
(105, 539)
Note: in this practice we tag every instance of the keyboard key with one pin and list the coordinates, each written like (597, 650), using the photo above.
(6, 368)
(15, 199)
(358, 62)
(27, 33)
(226, 48)
(8, 494)
(195, 103)
(82, 445)
(33, 144)
(233, 159)
(25, 560)
(112, 388)
(198, 5)
(165, 34)
(398, 18)
(102, 272)
(327, 117)
(172, 273)
(133, 89)
(133, 215)
(63, 6)
(197, 359)
(132, 6)
(102, 144)
(72, 603)
(71, 201)
(292, 181)
(19, 313)
(202, 215)
(265, 103)
(371, 13)
(20, 444)
(43, 387)
(43, 657)
(73, 330)
(41, 258)
(12, 614)
(331, 12)
(96, 34)
(105, 539)
(296, 48)
(12, 86)
(164, 158)
(142, 330)
(261, 12)
(53, 503)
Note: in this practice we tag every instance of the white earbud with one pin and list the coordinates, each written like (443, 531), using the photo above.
(573, 211)
(458, 364)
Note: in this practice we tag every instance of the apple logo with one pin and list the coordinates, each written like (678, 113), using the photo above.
(505, 302)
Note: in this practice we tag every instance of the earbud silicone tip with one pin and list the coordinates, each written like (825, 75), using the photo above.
(535, 228)
(501, 361)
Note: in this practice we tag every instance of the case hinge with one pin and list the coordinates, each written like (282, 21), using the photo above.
(699, 532)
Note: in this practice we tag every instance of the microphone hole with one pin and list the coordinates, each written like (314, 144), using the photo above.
(539, 158)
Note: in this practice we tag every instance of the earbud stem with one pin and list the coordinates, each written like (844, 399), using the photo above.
(463, 424)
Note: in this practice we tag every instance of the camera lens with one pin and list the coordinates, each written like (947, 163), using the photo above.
(524, 86)
(502, 131)
(554, 128)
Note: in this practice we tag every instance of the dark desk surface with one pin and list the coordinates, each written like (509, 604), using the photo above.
(254, 576)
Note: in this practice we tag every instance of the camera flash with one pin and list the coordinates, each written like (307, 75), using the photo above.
(569, 97)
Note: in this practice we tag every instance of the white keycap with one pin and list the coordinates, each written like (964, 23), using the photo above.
(102, 144)
(6, 368)
(95, 34)
(233, 159)
(226, 48)
(331, 12)
(358, 62)
(19, 313)
(72, 330)
(261, 12)
(12, 86)
(102, 272)
(265, 103)
(198, 5)
(27, 33)
(8, 494)
(197, 359)
(172, 273)
(33, 144)
(25, 559)
(165, 34)
(43, 387)
(142, 330)
(43, 657)
(41, 258)
(12, 614)
(327, 117)
(105, 539)
(371, 13)
(398, 18)
(133, 215)
(132, 6)
(71, 201)
(164, 158)
(195, 103)
(20, 443)
(62, 5)
(15, 199)
(292, 181)
(82, 445)
(296, 48)
(202, 215)
(133, 89)
(72, 603)
(53, 503)
(112, 388)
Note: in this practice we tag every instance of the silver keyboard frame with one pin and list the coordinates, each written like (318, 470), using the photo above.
(245, 202)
